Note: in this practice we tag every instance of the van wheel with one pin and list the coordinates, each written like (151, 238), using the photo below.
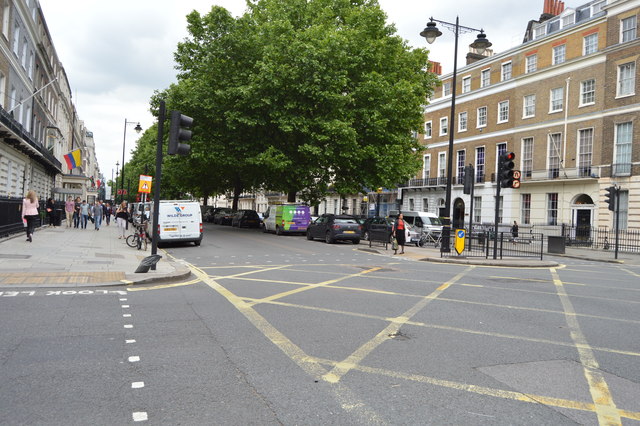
(278, 230)
(197, 243)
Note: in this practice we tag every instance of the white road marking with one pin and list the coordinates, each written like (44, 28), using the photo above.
(137, 385)
(130, 341)
(123, 299)
(134, 358)
(140, 416)
(126, 315)
(125, 306)
(128, 326)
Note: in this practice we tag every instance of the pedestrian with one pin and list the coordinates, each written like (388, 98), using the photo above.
(122, 216)
(30, 213)
(108, 211)
(399, 232)
(84, 214)
(50, 207)
(514, 231)
(69, 209)
(97, 213)
(76, 212)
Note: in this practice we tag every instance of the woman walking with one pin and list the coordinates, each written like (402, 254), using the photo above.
(399, 232)
(122, 215)
(30, 212)
(50, 208)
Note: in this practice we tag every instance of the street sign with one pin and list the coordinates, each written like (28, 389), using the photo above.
(516, 184)
(517, 174)
(144, 185)
(459, 241)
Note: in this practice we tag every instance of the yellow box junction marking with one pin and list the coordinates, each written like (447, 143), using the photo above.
(605, 408)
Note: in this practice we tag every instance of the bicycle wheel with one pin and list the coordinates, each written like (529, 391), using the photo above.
(144, 244)
(131, 240)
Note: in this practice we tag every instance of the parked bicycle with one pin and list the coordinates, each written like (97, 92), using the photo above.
(139, 238)
(430, 237)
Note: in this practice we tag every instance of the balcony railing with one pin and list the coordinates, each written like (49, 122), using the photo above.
(582, 172)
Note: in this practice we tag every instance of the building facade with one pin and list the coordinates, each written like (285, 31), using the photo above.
(565, 102)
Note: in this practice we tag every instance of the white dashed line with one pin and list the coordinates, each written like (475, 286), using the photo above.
(137, 385)
(130, 341)
(134, 358)
(123, 299)
(140, 416)
(125, 306)
(128, 326)
(126, 315)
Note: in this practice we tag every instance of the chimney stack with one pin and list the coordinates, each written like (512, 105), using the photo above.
(553, 7)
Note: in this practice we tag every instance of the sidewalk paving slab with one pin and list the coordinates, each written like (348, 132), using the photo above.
(75, 257)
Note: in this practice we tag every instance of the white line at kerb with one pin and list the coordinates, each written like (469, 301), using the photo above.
(140, 416)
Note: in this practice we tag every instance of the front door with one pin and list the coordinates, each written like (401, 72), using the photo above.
(583, 224)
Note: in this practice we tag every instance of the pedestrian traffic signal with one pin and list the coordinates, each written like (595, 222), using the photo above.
(178, 134)
(469, 175)
(610, 197)
(505, 170)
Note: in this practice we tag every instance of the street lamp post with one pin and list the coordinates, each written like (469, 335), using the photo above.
(114, 184)
(431, 32)
(138, 129)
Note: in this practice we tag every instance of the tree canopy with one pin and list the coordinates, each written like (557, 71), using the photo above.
(298, 96)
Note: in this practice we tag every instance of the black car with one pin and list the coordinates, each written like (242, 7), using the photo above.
(208, 214)
(223, 216)
(332, 228)
(378, 227)
(246, 218)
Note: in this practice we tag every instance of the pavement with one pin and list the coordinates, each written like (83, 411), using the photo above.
(70, 257)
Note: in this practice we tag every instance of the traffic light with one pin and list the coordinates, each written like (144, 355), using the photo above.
(505, 170)
(178, 134)
(469, 173)
(610, 197)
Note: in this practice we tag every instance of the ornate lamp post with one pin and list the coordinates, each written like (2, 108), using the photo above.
(431, 32)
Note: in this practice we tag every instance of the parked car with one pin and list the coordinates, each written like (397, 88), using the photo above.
(208, 214)
(378, 226)
(332, 228)
(246, 218)
(223, 216)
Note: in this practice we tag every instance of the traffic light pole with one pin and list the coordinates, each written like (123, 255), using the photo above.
(156, 189)
(617, 192)
(497, 213)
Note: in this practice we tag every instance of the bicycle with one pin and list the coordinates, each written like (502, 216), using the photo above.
(139, 238)
(428, 237)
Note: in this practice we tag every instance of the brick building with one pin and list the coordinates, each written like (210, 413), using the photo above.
(565, 102)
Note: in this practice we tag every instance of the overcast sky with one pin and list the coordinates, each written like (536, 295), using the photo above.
(116, 53)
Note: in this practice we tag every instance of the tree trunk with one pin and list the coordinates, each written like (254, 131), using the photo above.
(237, 190)
(291, 196)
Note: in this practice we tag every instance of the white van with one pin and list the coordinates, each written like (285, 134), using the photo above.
(423, 220)
(180, 221)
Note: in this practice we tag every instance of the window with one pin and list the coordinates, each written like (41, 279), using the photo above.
(531, 63)
(552, 208)
(442, 164)
(482, 116)
(525, 217)
(480, 164)
(428, 130)
(506, 71)
(446, 89)
(426, 168)
(462, 122)
(30, 66)
(16, 39)
(623, 209)
(590, 44)
(556, 99)
(23, 60)
(622, 149)
(425, 204)
(503, 112)
(585, 151)
(501, 148)
(529, 106)
(444, 123)
(477, 209)
(460, 163)
(3, 82)
(553, 155)
(466, 84)
(485, 78)
(559, 54)
(527, 157)
(5, 21)
(412, 204)
(587, 92)
(568, 20)
(628, 29)
(627, 79)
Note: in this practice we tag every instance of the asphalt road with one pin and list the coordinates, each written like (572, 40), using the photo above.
(280, 330)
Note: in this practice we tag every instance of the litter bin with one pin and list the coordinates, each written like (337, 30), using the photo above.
(555, 245)
(57, 217)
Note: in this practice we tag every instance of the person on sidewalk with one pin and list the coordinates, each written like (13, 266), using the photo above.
(69, 208)
(84, 214)
(50, 206)
(514, 231)
(30, 212)
(97, 212)
(122, 216)
(107, 211)
(399, 232)
(76, 213)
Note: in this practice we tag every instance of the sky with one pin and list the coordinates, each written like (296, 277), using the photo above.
(116, 53)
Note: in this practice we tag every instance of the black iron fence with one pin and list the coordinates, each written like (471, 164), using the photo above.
(483, 244)
(11, 216)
